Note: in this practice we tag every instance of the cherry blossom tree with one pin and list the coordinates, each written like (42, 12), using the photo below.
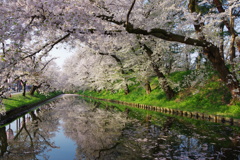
(90, 70)
(44, 78)
(190, 22)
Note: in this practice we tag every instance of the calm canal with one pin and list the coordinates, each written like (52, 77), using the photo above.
(71, 128)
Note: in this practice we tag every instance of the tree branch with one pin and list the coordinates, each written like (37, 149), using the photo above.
(3, 49)
(48, 45)
(220, 8)
(129, 12)
(45, 65)
(113, 56)
(156, 32)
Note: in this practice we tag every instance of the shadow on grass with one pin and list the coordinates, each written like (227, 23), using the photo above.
(9, 107)
(161, 96)
(17, 99)
(11, 99)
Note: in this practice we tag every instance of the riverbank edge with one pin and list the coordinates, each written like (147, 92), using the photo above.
(194, 115)
(16, 112)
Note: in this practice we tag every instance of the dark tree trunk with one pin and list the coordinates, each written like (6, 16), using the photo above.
(170, 93)
(24, 87)
(147, 87)
(232, 48)
(222, 40)
(187, 66)
(227, 77)
(24, 90)
(238, 43)
(169, 66)
(126, 90)
(34, 88)
(164, 83)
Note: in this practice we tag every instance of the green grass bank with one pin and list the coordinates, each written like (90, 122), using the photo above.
(210, 97)
(16, 101)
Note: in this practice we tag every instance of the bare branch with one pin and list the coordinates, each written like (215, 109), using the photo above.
(18, 77)
(48, 45)
(45, 65)
(129, 12)
(3, 49)
(220, 8)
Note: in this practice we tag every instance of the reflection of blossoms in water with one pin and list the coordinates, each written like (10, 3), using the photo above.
(103, 133)
(31, 135)
(93, 129)
(2, 108)
(106, 134)
(10, 134)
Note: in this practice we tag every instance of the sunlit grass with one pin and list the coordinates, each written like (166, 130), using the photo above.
(211, 98)
(18, 100)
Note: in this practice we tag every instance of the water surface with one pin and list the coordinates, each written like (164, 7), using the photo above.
(73, 128)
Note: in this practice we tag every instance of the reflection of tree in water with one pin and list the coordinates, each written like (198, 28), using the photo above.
(31, 138)
(178, 140)
(107, 134)
(3, 141)
(102, 134)
(96, 131)
(10, 134)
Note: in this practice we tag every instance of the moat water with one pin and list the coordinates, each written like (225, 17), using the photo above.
(71, 128)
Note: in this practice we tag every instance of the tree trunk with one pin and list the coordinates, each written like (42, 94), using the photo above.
(227, 77)
(169, 66)
(126, 90)
(24, 87)
(238, 43)
(164, 83)
(222, 40)
(34, 88)
(233, 36)
(147, 87)
(198, 61)
(187, 66)
(170, 93)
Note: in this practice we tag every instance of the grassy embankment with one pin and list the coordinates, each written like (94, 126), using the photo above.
(18, 100)
(211, 98)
